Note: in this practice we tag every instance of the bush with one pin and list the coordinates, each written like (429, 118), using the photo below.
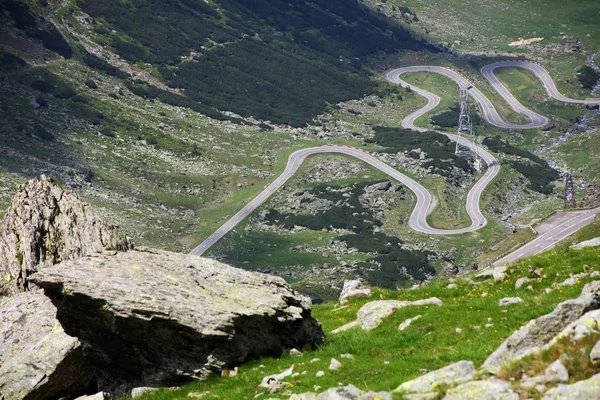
(449, 118)
(97, 63)
(540, 176)
(91, 84)
(42, 133)
(588, 77)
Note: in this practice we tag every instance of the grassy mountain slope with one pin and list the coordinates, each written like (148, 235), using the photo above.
(385, 357)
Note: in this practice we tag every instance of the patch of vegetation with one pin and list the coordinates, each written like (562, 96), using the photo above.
(449, 118)
(439, 148)
(10, 62)
(540, 176)
(96, 62)
(588, 77)
(384, 358)
(286, 62)
(353, 217)
(37, 28)
(537, 170)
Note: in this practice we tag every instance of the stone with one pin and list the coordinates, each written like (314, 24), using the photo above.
(584, 326)
(353, 289)
(97, 396)
(507, 301)
(348, 356)
(373, 313)
(320, 374)
(274, 382)
(295, 352)
(152, 318)
(140, 391)
(498, 273)
(349, 392)
(453, 374)
(452, 286)
(490, 389)
(588, 243)
(345, 327)
(45, 225)
(556, 372)
(407, 323)
(521, 281)
(334, 365)
(573, 280)
(458, 330)
(38, 360)
(540, 331)
(588, 389)
(595, 353)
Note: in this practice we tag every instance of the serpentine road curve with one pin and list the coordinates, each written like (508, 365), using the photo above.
(425, 200)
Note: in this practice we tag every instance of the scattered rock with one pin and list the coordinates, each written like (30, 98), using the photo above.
(573, 280)
(295, 352)
(372, 314)
(490, 389)
(588, 243)
(498, 273)
(539, 332)
(521, 281)
(45, 225)
(349, 392)
(38, 360)
(140, 391)
(588, 389)
(507, 301)
(458, 330)
(345, 327)
(348, 356)
(150, 318)
(453, 374)
(335, 365)
(320, 374)
(407, 323)
(556, 372)
(354, 288)
(584, 326)
(595, 353)
(275, 382)
(452, 286)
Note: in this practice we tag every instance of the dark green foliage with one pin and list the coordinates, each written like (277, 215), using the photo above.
(43, 86)
(99, 64)
(437, 146)
(10, 62)
(37, 28)
(42, 102)
(393, 266)
(43, 133)
(91, 84)
(537, 171)
(540, 176)
(305, 55)
(496, 145)
(449, 118)
(49, 83)
(588, 77)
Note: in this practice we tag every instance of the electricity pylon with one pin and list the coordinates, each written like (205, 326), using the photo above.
(465, 125)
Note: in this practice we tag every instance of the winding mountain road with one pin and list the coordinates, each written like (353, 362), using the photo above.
(425, 200)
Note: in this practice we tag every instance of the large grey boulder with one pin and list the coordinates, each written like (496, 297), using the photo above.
(490, 389)
(451, 375)
(45, 225)
(38, 360)
(373, 313)
(541, 331)
(588, 389)
(588, 243)
(151, 318)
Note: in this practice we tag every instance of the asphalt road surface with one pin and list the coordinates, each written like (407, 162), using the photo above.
(425, 200)
(551, 237)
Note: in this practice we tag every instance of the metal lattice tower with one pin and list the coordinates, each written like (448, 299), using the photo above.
(570, 201)
(465, 125)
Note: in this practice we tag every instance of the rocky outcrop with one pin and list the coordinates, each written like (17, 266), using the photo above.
(349, 392)
(373, 313)
(45, 225)
(588, 243)
(428, 384)
(588, 389)
(152, 318)
(352, 289)
(38, 360)
(490, 389)
(541, 331)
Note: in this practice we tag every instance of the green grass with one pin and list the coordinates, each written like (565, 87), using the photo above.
(384, 357)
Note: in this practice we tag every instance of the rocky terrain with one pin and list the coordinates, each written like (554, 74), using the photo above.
(86, 313)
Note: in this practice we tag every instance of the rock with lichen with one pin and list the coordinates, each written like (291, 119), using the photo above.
(44, 225)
